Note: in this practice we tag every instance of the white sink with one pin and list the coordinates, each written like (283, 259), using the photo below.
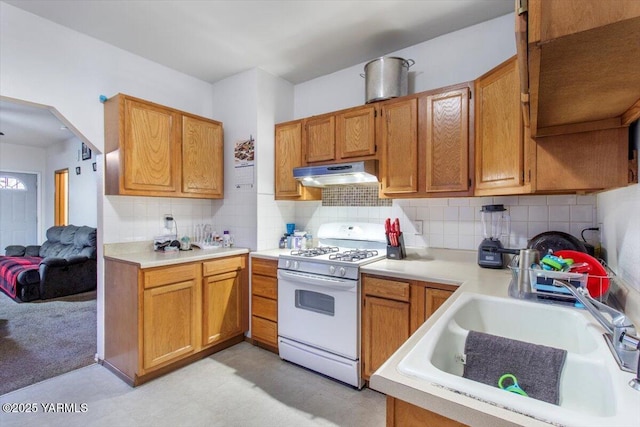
(588, 394)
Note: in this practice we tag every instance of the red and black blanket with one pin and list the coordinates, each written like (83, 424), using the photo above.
(11, 267)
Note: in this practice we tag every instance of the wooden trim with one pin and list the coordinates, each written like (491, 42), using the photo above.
(573, 128)
(632, 114)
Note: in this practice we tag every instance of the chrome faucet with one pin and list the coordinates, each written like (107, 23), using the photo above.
(621, 334)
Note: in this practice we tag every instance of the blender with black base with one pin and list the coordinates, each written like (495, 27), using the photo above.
(491, 251)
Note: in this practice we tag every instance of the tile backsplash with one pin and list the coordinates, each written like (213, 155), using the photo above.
(353, 195)
(455, 223)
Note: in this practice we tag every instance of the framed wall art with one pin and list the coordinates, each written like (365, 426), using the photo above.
(86, 152)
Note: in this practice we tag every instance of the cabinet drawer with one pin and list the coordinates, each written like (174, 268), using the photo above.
(264, 331)
(221, 265)
(166, 275)
(264, 267)
(265, 308)
(264, 286)
(385, 288)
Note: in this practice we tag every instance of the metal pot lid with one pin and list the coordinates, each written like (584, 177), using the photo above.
(555, 241)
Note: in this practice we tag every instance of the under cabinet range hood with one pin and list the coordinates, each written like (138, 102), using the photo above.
(363, 172)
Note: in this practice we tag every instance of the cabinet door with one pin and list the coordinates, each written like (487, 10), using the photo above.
(221, 307)
(151, 148)
(202, 158)
(385, 327)
(499, 148)
(169, 323)
(404, 414)
(288, 155)
(446, 130)
(433, 299)
(355, 133)
(400, 146)
(320, 138)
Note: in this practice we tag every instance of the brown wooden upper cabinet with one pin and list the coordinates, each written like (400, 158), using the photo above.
(425, 144)
(341, 136)
(399, 136)
(499, 133)
(202, 157)
(153, 150)
(356, 133)
(444, 139)
(510, 161)
(583, 58)
(320, 138)
(288, 155)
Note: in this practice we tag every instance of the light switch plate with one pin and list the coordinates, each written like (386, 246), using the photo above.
(417, 226)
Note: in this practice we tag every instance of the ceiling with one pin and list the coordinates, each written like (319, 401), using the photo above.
(296, 40)
(30, 124)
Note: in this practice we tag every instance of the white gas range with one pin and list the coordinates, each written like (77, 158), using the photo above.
(319, 299)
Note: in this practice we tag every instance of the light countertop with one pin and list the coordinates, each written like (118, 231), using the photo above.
(270, 253)
(448, 266)
(142, 254)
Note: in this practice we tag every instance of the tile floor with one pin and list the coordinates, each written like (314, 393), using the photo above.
(240, 386)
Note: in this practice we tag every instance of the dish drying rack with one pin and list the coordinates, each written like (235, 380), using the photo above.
(205, 237)
(543, 288)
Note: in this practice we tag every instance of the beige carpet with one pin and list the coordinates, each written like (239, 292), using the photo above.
(43, 339)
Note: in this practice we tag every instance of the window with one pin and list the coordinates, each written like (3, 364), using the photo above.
(11, 183)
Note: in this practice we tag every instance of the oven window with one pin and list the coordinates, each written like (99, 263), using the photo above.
(316, 302)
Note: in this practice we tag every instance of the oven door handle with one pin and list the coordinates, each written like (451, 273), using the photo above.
(311, 279)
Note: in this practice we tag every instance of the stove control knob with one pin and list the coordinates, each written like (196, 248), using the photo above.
(296, 265)
(332, 269)
(342, 271)
(287, 264)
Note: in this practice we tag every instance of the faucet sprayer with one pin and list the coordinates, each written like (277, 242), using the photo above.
(621, 334)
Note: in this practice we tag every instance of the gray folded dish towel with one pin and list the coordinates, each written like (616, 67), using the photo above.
(536, 367)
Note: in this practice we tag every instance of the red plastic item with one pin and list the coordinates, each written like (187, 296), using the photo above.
(598, 281)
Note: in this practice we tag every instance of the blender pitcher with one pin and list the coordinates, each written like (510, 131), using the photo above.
(494, 221)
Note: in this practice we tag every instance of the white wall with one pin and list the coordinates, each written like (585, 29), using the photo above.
(619, 214)
(235, 104)
(275, 105)
(48, 64)
(83, 188)
(456, 57)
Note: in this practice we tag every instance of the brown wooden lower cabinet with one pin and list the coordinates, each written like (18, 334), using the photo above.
(161, 318)
(393, 309)
(404, 414)
(264, 303)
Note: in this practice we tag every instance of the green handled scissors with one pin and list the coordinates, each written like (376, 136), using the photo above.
(513, 388)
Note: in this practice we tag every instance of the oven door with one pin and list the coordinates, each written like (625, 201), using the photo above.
(319, 311)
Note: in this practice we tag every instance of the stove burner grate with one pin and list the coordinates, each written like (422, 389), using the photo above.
(320, 250)
(353, 255)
